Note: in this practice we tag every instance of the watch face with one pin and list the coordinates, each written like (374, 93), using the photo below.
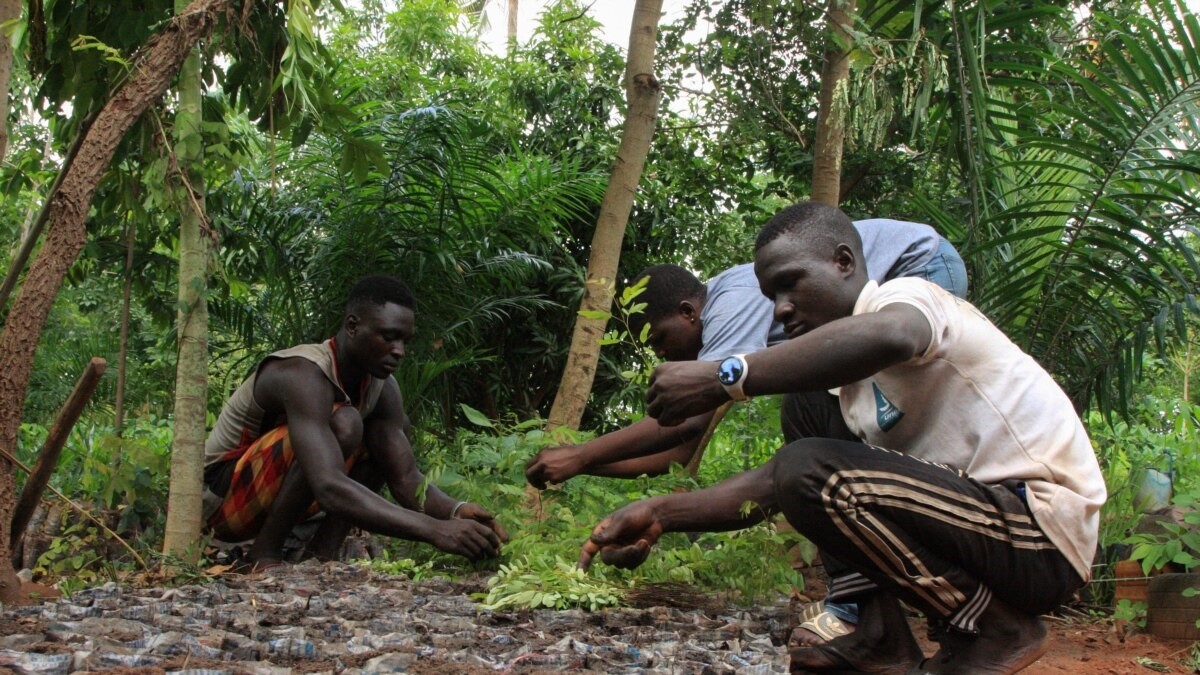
(730, 370)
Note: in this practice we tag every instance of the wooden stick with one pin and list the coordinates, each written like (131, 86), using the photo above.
(48, 456)
(693, 465)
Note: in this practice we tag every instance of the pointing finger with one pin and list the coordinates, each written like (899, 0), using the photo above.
(586, 554)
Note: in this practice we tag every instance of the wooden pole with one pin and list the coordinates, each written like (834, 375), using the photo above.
(48, 456)
(693, 465)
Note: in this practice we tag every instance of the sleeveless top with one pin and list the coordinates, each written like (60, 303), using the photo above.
(241, 420)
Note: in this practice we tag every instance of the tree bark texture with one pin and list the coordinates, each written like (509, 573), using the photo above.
(643, 92)
(155, 66)
(182, 531)
(10, 12)
(827, 150)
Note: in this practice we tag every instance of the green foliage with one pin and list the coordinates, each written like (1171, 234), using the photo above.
(537, 565)
(748, 437)
(1133, 613)
(405, 567)
(1177, 543)
(547, 584)
(122, 478)
(624, 346)
(1081, 162)
(76, 558)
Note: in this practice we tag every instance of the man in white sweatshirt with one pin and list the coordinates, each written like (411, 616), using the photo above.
(974, 497)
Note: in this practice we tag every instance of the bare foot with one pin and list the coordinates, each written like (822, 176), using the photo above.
(1008, 641)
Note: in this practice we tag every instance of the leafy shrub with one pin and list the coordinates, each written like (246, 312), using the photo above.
(551, 584)
(1177, 543)
(537, 566)
(121, 481)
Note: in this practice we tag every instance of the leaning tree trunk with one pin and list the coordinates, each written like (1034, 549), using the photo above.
(643, 92)
(831, 114)
(153, 70)
(10, 11)
(182, 532)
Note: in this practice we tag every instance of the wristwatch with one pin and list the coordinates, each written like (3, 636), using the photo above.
(732, 373)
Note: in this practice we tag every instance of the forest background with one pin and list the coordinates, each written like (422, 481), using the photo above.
(306, 143)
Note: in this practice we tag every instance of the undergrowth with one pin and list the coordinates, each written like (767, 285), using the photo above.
(537, 565)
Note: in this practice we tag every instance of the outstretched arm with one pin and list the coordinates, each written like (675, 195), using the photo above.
(387, 438)
(648, 445)
(625, 537)
(838, 353)
(650, 465)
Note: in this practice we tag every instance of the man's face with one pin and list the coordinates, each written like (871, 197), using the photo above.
(676, 336)
(378, 336)
(809, 290)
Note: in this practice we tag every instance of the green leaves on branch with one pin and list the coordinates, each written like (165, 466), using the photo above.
(540, 583)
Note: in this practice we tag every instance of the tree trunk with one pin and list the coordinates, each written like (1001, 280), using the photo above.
(123, 349)
(182, 530)
(643, 92)
(831, 114)
(154, 69)
(512, 24)
(10, 12)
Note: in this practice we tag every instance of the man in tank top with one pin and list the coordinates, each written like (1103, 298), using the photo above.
(322, 428)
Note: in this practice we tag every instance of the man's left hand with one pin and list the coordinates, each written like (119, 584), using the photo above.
(471, 511)
(681, 389)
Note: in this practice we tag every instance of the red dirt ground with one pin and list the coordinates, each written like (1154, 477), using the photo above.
(1097, 646)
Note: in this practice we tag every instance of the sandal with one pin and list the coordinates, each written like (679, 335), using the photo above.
(819, 622)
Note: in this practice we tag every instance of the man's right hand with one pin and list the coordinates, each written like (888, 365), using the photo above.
(624, 539)
(554, 465)
(468, 538)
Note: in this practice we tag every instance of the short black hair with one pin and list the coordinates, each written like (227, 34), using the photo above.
(378, 290)
(667, 286)
(820, 226)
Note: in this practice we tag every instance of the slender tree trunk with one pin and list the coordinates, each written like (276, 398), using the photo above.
(10, 12)
(512, 23)
(153, 72)
(123, 350)
(643, 92)
(191, 370)
(827, 151)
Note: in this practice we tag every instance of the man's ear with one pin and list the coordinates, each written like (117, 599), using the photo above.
(350, 324)
(689, 311)
(846, 261)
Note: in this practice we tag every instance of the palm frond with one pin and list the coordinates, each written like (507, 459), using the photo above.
(1085, 189)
